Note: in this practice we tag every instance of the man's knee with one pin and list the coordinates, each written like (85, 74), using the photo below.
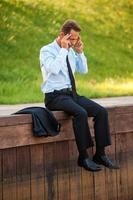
(103, 111)
(82, 113)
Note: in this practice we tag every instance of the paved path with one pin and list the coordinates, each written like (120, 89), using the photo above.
(112, 101)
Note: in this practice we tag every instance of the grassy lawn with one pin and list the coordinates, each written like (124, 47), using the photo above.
(28, 25)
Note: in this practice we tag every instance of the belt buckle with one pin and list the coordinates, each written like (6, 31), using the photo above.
(66, 90)
(69, 89)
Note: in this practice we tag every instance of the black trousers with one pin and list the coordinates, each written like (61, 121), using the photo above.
(81, 109)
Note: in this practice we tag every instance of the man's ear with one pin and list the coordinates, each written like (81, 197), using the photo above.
(61, 35)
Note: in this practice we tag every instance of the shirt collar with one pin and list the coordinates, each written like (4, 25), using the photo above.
(57, 45)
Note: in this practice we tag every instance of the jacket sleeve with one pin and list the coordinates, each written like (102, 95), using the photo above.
(81, 63)
(52, 63)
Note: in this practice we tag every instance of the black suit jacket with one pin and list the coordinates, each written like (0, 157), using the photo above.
(44, 122)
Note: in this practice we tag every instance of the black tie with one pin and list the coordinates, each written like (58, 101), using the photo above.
(71, 78)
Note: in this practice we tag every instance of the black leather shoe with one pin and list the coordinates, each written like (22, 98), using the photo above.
(105, 160)
(89, 165)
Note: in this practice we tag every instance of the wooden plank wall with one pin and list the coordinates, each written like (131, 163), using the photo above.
(49, 171)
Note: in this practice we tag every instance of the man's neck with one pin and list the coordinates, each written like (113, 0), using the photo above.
(58, 41)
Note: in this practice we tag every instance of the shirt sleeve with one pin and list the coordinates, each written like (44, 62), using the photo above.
(81, 63)
(52, 63)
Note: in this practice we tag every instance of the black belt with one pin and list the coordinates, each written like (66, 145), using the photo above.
(62, 91)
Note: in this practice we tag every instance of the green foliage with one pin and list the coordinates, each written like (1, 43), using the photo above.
(107, 33)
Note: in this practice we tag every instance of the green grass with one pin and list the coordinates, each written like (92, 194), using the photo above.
(27, 25)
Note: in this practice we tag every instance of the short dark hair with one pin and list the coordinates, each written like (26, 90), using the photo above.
(70, 24)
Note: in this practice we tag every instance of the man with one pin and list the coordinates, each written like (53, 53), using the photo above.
(59, 60)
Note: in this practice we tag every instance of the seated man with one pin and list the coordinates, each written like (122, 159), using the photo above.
(59, 60)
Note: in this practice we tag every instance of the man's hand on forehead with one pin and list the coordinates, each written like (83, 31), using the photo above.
(65, 42)
(78, 47)
(67, 36)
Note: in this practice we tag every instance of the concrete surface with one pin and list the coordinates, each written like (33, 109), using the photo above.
(112, 101)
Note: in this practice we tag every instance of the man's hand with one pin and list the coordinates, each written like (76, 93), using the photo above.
(65, 42)
(79, 46)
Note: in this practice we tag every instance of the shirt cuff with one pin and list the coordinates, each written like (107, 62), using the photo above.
(80, 54)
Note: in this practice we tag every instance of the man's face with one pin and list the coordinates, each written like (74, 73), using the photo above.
(73, 38)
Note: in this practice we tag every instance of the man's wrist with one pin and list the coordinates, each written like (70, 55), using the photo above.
(79, 53)
(78, 50)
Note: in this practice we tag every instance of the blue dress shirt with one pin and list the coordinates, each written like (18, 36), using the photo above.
(54, 67)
